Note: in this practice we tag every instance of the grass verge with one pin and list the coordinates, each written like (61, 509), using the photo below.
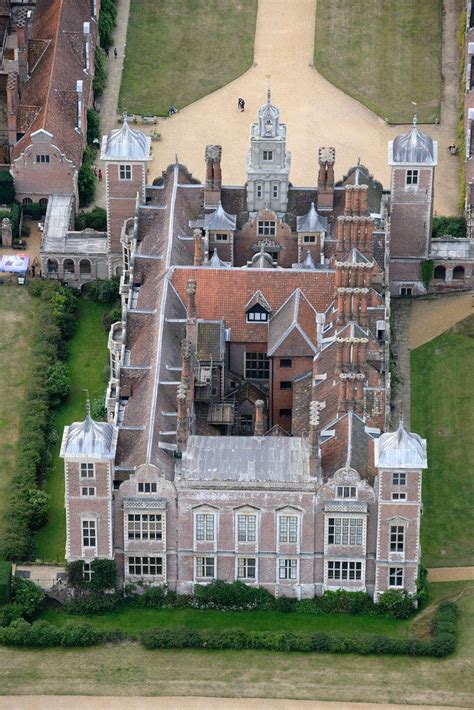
(384, 54)
(17, 313)
(179, 51)
(87, 359)
(442, 390)
(129, 669)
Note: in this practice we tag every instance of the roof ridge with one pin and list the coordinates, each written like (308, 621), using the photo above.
(53, 60)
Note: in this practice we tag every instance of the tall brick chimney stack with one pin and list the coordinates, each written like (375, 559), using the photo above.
(182, 431)
(212, 189)
(325, 197)
(258, 428)
(22, 40)
(315, 408)
(191, 327)
(12, 107)
(197, 247)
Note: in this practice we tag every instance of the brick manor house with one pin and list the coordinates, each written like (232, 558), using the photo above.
(249, 394)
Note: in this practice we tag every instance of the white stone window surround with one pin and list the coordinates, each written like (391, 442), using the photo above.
(210, 529)
(266, 228)
(246, 528)
(395, 577)
(345, 530)
(412, 178)
(144, 526)
(346, 492)
(87, 469)
(89, 533)
(267, 155)
(149, 566)
(149, 506)
(242, 567)
(88, 491)
(288, 528)
(205, 568)
(125, 171)
(147, 487)
(259, 190)
(399, 478)
(354, 585)
(287, 570)
(397, 536)
(399, 496)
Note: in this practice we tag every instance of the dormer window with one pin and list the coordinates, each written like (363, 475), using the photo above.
(309, 239)
(268, 154)
(257, 314)
(346, 492)
(222, 237)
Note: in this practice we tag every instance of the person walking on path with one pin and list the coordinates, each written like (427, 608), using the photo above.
(115, 52)
(100, 175)
(241, 104)
(107, 52)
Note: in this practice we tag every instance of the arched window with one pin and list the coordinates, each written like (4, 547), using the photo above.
(458, 272)
(440, 273)
(68, 267)
(52, 266)
(27, 201)
(43, 201)
(85, 268)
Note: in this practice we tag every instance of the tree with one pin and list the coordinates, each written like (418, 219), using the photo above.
(93, 127)
(95, 219)
(86, 184)
(59, 382)
(38, 503)
(100, 74)
(7, 188)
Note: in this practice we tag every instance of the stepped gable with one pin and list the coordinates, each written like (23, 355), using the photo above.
(52, 85)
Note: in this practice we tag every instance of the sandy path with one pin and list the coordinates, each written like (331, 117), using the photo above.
(316, 112)
(72, 702)
(429, 318)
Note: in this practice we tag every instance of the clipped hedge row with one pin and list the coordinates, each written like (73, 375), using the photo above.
(441, 644)
(239, 596)
(5, 581)
(27, 504)
(41, 634)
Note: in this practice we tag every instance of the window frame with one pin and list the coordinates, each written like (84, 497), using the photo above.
(88, 494)
(341, 492)
(89, 532)
(399, 495)
(244, 525)
(266, 228)
(261, 364)
(309, 239)
(203, 566)
(43, 159)
(221, 237)
(243, 566)
(399, 478)
(344, 568)
(125, 172)
(202, 527)
(87, 470)
(412, 177)
(143, 484)
(345, 531)
(289, 529)
(286, 385)
(158, 565)
(141, 527)
(396, 573)
(286, 360)
(397, 535)
(267, 155)
(289, 567)
(259, 191)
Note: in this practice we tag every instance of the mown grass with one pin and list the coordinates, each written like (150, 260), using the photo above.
(129, 669)
(442, 389)
(17, 316)
(180, 50)
(87, 360)
(134, 620)
(385, 54)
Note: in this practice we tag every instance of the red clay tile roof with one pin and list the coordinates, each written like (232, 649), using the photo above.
(52, 84)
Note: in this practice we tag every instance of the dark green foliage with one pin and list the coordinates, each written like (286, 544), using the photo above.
(422, 588)
(396, 603)
(104, 575)
(155, 597)
(75, 574)
(100, 74)
(426, 268)
(7, 188)
(58, 383)
(102, 290)
(43, 635)
(95, 603)
(449, 226)
(27, 596)
(15, 219)
(10, 613)
(34, 210)
(25, 510)
(25, 230)
(93, 127)
(86, 184)
(112, 316)
(98, 409)
(107, 21)
(5, 581)
(234, 595)
(95, 219)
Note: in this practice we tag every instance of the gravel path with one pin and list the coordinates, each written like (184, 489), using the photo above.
(451, 574)
(317, 113)
(431, 317)
(73, 702)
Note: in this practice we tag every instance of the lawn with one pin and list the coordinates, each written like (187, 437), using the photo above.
(87, 360)
(385, 54)
(17, 314)
(135, 620)
(442, 411)
(129, 669)
(180, 50)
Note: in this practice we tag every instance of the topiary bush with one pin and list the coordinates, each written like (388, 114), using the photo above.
(58, 382)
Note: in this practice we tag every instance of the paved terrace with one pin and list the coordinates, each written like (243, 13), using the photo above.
(317, 113)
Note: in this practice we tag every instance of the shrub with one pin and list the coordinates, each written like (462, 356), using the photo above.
(104, 575)
(452, 226)
(422, 588)
(75, 574)
(59, 382)
(9, 614)
(94, 603)
(7, 188)
(34, 210)
(15, 219)
(5, 581)
(93, 127)
(107, 20)
(102, 290)
(154, 597)
(86, 184)
(95, 219)
(27, 596)
(98, 409)
(41, 634)
(25, 230)
(100, 74)
(395, 603)
(171, 638)
(38, 507)
(112, 316)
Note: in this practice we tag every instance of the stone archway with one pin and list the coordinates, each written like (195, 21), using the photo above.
(458, 272)
(439, 273)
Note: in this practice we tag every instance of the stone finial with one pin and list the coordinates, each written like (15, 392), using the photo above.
(258, 428)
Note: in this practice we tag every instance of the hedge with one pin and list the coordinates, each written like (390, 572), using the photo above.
(41, 634)
(5, 581)
(35, 210)
(442, 642)
(107, 22)
(449, 226)
(25, 509)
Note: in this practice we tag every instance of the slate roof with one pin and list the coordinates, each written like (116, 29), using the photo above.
(245, 458)
(296, 314)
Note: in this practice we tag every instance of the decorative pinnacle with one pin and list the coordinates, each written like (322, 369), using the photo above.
(88, 405)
